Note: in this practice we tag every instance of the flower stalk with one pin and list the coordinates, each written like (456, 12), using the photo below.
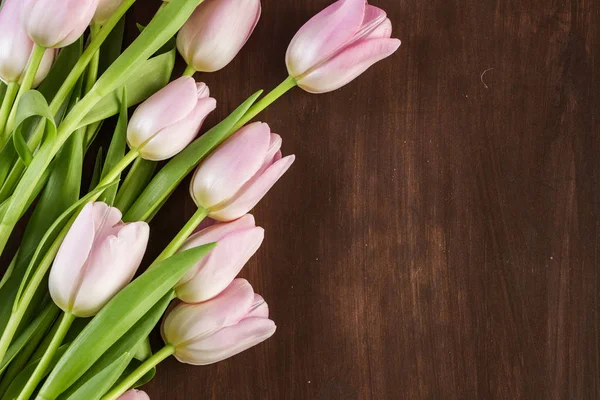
(161, 355)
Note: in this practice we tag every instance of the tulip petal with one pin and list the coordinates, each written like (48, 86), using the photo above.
(230, 167)
(71, 257)
(213, 233)
(110, 267)
(45, 66)
(259, 309)
(174, 138)
(348, 65)
(274, 148)
(222, 265)
(134, 395)
(216, 232)
(60, 27)
(227, 342)
(250, 195)
(374, 18)
(78, 21)
(106, 221)
(216, 32)
(15, 45)
(166, 107)
(191, 322)
(383, 31)
(323, 35)
(105, 9)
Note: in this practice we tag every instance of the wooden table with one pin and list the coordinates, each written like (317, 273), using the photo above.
(438, 236)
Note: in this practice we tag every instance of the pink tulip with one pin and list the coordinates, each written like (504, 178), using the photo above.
(98, 257)
(134, 395)
(57, 23)
(338, 44)
(238, 241)
(105, 10)
(16, 46)
(170, 119)
(216, 32)
(233, 179)
(220, 328)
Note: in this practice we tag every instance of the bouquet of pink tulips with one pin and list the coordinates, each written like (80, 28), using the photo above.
(73, 320)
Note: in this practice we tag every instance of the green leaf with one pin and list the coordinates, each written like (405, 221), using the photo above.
(127, 344)
(143, 351)
(148, 376)
(9, 270)
(61, 187)
(170, 45)
(32, 104)
(117, 148)
(138, 177)
(2, 90)
(97, 170)
(42, 321)
(112, 47)
(171, 175)
(21, 380)
(92, 132)
(163, 27)
(96, 387)
(63, 65)
(36, 191)
(151, 76)
(21, 360)
(34, 132)
(117, 317)
(61, 191)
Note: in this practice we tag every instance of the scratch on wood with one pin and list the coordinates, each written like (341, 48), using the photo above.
(481, 77)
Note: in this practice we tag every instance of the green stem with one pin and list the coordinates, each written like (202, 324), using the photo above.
(88, 55)
(27, 82)
(92, 70)
(65, 323)
(7, 104)
(181, 237)
(266, 101)
(120, 167)
(9, 271)
(189, 71)
(11, 180)
(136, 375)
(22, 303)
(129, 188)
(27, 353)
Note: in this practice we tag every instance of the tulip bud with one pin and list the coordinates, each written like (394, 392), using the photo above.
(216, 32)
(97, 258)
(57, 23)
(338, 44)
(16, 47)
(105, 10)
(220, 328)
(233, 179)
(238, 241)
(170, 119)
(134, 395)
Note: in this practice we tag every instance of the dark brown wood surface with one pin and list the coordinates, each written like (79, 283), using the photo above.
(438, 236)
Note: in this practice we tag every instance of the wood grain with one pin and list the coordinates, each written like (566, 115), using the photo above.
(439, 234)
